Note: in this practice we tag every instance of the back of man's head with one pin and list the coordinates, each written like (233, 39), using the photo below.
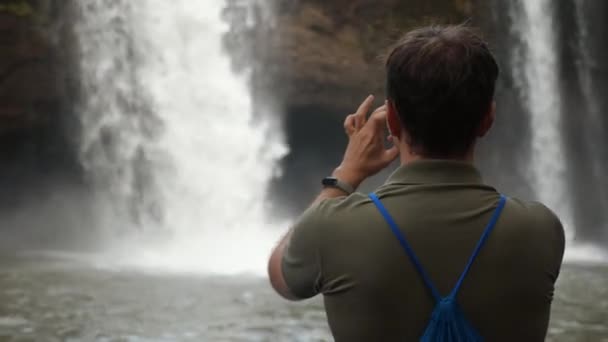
(441, 82)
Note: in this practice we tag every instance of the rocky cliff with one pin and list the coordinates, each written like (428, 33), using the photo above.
(330, 53)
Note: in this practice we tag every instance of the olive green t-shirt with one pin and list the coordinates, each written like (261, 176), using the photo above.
(345, 250)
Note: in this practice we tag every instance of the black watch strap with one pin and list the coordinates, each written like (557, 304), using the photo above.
(333, 182)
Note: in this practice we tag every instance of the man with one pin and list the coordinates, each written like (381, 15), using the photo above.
(440, 87)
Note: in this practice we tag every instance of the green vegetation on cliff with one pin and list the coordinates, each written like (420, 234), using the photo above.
(20, 8)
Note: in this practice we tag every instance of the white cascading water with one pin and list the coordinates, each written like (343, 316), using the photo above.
(592, 127)
(188, 159)
(536, 67)
(592, 123)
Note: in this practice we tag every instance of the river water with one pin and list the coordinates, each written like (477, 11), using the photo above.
(44, 298)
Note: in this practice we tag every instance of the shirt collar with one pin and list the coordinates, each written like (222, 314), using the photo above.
(436, 172)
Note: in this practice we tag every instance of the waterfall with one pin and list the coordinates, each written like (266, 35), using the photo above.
(563, 145)
(536, 66)
(179, 161)
(586, 65)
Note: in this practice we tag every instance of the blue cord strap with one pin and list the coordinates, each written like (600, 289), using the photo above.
(410, 252)
(482, 240)
(406, 246)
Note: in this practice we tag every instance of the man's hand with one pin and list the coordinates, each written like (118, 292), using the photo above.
(365, 154)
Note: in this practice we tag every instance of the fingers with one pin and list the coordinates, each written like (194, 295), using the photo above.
(349, 125)
(355, 122)
(382, 110)
(393, 139)
(390, 155)
(361, 114)
(378, 117)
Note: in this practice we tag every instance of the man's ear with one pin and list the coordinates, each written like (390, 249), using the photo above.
(488, 121)
(392, 120)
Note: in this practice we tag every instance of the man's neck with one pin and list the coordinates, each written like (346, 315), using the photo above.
(408, 156)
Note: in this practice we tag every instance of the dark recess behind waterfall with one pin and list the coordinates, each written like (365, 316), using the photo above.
(41, 178)
(313, 63)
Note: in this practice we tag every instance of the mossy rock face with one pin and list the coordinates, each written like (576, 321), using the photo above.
(330, 53)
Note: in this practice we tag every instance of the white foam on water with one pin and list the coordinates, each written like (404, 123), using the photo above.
(586, 254)
(227, 253)
(13, 321)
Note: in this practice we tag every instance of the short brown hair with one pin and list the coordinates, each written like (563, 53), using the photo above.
(441, 80)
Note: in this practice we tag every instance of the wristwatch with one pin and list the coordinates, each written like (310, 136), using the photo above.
(333, 182)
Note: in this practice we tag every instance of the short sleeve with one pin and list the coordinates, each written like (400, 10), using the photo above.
(301, 260)
(556, 241)
(552, 236)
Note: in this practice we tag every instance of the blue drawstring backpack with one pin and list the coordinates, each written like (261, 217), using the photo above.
(447, 323)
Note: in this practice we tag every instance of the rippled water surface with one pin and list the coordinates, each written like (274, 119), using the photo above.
(59, 300)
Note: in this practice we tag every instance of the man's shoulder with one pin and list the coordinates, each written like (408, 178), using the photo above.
(534, 224)
(533, 213)
(335, 212)
(532, 218)
(346, 204)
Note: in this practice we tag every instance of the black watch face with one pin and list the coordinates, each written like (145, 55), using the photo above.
(329, 181)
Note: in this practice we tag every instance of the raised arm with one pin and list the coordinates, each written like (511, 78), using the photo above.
(297, 251)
